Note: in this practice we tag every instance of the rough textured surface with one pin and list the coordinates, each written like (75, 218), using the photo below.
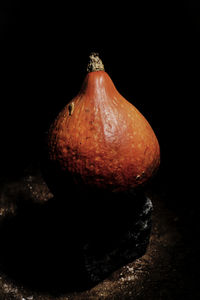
(95, 63)
(131, 242)
(168, 270)
(102, 140)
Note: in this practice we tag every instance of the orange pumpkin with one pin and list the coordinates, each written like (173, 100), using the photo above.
(100, 140)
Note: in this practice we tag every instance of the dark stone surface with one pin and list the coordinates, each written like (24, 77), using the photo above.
(84, 237)
(109, 251)
(36, 253)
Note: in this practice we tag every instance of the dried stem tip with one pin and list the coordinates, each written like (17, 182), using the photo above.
(95, 63)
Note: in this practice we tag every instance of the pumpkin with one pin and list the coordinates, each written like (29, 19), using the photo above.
(100, 140)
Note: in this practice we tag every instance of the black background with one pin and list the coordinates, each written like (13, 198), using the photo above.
(151, 53)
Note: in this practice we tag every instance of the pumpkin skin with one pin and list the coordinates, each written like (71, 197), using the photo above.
(100, 140)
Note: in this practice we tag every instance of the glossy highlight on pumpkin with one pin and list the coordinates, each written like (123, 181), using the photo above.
(101, 140)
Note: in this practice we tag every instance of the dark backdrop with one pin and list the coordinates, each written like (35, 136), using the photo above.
(152, 55)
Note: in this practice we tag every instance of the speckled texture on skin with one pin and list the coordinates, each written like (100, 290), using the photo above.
(102, 140)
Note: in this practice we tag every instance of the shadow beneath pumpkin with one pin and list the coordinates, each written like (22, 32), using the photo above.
(41, 249)
(43, 246)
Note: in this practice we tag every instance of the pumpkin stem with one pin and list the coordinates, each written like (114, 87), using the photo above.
(95, 63)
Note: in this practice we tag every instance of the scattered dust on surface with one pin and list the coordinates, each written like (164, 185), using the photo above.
(157, 274)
